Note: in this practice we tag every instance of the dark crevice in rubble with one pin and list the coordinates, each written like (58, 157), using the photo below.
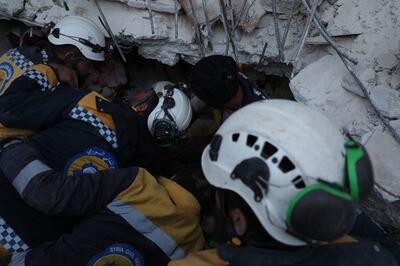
(143, 73)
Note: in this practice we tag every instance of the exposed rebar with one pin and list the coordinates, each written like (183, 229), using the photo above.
(176, 18)
(289, 23)
(27, 22)
(240, 15)
(326, 35)
(277, 33)
(226, 27)
(262, 55)
(342, 56)
(108, 28)
(148, 3)
(207, 18)
(306, 30)
(196, 21)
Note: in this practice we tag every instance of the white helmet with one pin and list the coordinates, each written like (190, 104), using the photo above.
(172, 115)
(83, 34)
(272, 153)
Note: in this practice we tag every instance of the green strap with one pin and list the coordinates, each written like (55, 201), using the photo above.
(353, 153)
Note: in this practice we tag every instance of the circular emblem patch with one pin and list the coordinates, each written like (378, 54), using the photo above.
(90, 161)
(118, 255)
(6, 72)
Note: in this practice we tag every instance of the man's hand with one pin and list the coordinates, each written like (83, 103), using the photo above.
(66, 74)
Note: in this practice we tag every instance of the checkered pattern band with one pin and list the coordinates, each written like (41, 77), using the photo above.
(40, 79)
(19, 59)
(10, 240)
(80, 113)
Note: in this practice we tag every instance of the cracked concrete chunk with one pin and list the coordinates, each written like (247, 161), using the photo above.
(386, 61)
(367, 76)
(12, 7)
(386, 100)
(396, 125)
(395, 79)
(319, 85)
(383, 151)
(167, 6)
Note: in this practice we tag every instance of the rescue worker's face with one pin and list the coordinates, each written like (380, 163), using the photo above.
(75, 60)
(84, 67)
(143, 101)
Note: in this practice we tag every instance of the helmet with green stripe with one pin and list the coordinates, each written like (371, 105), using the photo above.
(294, 169)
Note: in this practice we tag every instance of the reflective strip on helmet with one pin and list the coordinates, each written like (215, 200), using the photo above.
(148, 229)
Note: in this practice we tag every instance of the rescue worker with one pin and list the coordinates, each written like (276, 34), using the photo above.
(217, 82)
(289, 185)
(169, 122)
(76, 44)
(126, 216)
(172, 116)
(77, 130)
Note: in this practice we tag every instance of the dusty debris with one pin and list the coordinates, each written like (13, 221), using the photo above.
(386, 100)
(367, 76)
(164, 6)
(386, 61)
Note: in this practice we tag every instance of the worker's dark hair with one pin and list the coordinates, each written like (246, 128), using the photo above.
(214, 79)
(64, 48)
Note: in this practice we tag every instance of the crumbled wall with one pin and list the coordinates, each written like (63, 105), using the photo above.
(368, 30)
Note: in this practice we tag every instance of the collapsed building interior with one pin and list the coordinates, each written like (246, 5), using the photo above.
(339, 56)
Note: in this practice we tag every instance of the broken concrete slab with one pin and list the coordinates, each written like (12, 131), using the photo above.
(12, 7)
(383, 151)
(163, 6)
(386, 100)
(323, 90)
(367, 76)
(395, 79)
(396, 125)
(386, 61)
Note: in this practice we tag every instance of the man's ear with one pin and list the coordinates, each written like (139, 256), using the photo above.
(142, 107)
(67, 56)
(238, 220)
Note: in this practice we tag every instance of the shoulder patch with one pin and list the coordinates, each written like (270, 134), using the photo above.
(6, 72)
(90, 161)
(118, 255)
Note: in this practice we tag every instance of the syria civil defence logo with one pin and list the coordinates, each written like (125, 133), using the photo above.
(118, 255)
(6, 72)
(89, 162)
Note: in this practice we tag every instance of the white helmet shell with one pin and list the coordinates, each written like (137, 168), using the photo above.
(181, 112)
(80, 27)
(313, 145)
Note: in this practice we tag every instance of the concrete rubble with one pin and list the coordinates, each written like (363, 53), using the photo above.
(367, 30)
